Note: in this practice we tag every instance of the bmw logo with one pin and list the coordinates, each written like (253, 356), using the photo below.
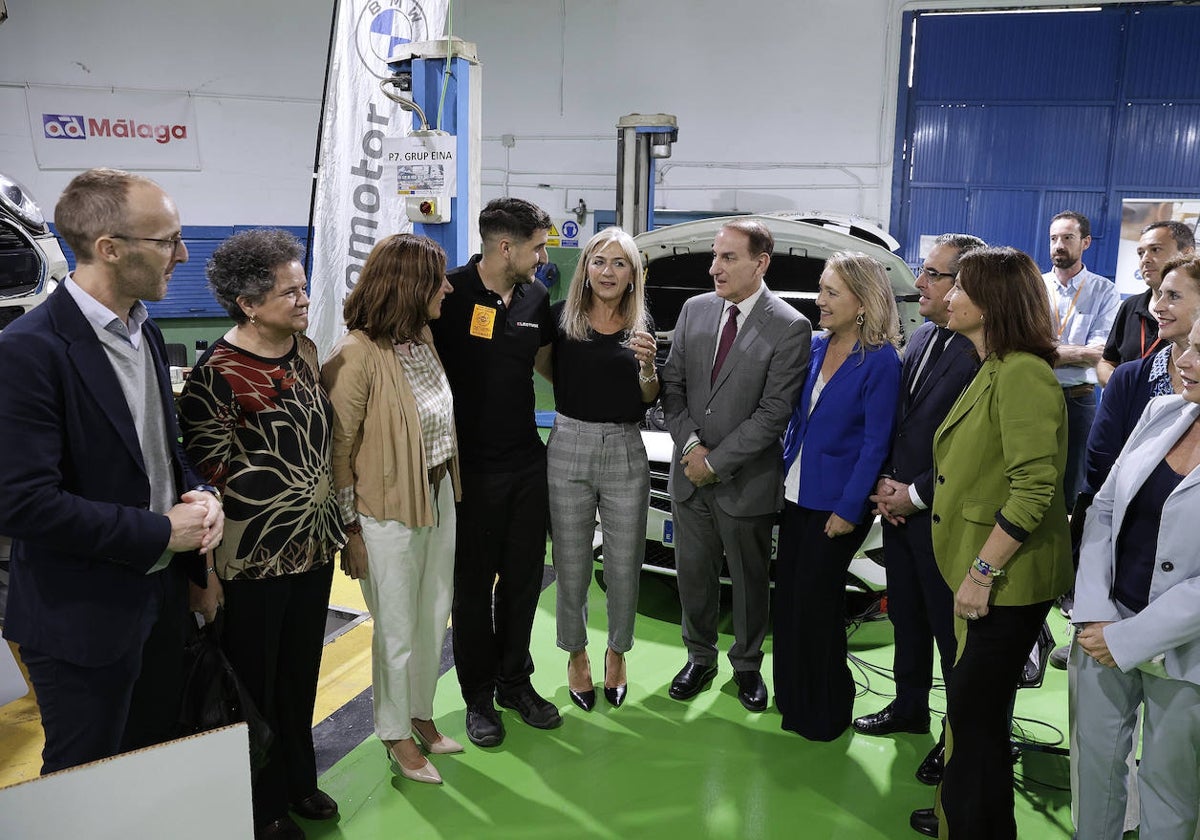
(380, 32)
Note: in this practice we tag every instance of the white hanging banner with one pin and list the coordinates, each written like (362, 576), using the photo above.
(356, 197)
(77, 128)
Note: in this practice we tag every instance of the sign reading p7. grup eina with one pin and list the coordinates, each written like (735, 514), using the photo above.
(78, 129)
(425, 163)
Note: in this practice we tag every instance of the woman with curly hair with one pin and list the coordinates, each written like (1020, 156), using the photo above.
(258, 426)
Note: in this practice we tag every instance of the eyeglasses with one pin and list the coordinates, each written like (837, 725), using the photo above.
(934, 275)
(175, 241)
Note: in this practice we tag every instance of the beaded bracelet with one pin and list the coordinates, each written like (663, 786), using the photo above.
(987, 569)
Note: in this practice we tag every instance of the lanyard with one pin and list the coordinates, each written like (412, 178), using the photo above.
(1146, 351)
(1062, 322)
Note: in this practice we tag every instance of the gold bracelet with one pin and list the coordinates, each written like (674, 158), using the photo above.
(977, 583)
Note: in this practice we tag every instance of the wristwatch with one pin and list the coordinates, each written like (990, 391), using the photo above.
(208, 488)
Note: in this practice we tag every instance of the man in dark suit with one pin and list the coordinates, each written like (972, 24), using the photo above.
(728, 388)
(91, 482)
(938, 365)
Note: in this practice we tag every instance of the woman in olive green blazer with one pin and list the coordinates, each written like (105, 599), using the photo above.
(1000, 534)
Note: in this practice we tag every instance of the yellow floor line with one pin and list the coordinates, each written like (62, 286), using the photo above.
(21, 736)
(345, 670)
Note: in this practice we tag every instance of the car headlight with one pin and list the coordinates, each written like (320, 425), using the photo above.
(16, 199)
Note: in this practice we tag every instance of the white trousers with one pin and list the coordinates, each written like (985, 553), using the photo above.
(1105, 703)
(409, 589)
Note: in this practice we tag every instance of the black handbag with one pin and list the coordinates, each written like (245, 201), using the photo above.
(213, 696)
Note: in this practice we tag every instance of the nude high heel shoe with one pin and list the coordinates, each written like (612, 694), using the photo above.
(426, 773)
(441, 745)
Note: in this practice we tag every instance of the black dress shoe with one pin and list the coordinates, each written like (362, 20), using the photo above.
(534, 709)
(887, 720)
(483, 725)
(691, 680)
(930, 771)
(318, 805)
(585, 700)
(283, 828)
(924, 821)
(752, 691)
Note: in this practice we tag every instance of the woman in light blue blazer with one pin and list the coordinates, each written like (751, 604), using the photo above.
(834, 447)
(1137, 607)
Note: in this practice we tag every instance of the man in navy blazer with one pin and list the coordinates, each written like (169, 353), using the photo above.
(938, 365)
(727, 394)
(91, 481)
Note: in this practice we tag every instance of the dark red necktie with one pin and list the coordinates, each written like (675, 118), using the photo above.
(728, 334)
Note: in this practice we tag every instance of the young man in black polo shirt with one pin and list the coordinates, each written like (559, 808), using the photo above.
(493, 327)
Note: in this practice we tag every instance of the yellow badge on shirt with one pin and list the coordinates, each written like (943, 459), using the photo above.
(483, 320)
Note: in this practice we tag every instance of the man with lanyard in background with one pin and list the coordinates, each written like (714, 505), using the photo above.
(1083, 305)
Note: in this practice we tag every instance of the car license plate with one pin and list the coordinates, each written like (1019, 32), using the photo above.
(668, 537)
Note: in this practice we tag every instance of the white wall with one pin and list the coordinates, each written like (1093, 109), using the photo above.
(255, 68)
(751, 84)
(782, 104)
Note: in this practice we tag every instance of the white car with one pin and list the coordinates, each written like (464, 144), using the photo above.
(677, 262)
(32, 263)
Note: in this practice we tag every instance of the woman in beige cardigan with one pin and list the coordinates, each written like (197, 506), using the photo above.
(395, 470)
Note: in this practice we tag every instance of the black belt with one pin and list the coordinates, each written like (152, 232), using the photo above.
(1084, 390)
(436, 474)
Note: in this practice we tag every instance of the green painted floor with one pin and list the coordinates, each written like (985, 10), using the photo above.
(660, 768)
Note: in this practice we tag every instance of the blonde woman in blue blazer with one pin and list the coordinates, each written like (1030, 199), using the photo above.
(834, 448)
(999, 525)
(1137, 607)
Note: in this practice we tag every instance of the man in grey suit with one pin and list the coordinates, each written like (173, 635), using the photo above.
(728, 388)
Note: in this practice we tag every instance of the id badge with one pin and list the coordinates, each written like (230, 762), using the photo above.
(483, 321)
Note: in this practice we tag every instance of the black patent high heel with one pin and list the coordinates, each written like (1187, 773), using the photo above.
(615, 695)
(585, 700)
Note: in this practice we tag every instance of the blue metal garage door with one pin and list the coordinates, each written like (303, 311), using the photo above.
(1011, 118)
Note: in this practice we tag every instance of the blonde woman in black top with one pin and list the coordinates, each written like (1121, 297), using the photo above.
(603, 372)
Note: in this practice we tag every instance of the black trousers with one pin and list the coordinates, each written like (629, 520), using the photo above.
(499, 560)
(273, 637)
(976, 795)
(921, 609)
(90, 713)
(814, 688)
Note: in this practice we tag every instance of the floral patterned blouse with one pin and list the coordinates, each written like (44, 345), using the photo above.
(260, 431)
